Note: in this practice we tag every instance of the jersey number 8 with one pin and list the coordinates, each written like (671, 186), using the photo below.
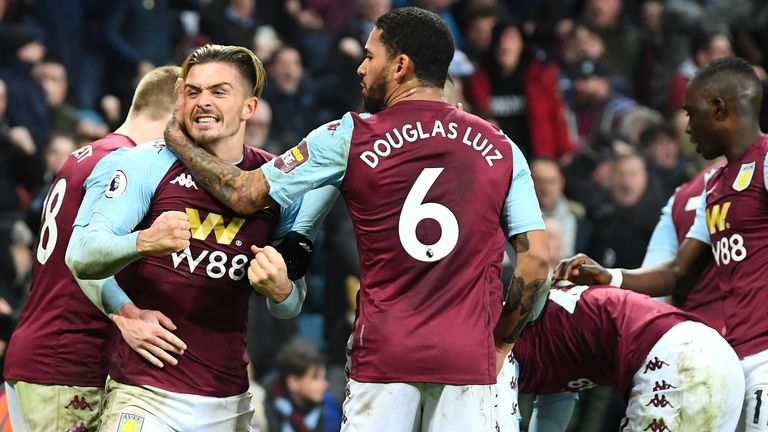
(49, 231)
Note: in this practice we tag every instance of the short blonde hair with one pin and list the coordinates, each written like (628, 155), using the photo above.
(155, 95)
(243, 59)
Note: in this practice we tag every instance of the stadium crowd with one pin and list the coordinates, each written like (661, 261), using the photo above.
(590, 90)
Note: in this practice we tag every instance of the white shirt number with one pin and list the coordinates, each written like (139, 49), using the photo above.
(415, 210)
(49, 231)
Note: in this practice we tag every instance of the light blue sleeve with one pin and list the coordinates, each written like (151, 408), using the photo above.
(521, 211)
(108, 242)
(305, 217)
(319, 160)
(314, 208)
(663, 244)
(106, 294)
(552, 413)
(765, 173)
(699, 230)
(291, 306)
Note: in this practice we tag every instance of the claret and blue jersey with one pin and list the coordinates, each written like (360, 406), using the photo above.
(427, 187)
(204, 289)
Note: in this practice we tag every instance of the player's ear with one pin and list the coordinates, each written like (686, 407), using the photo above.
(249, 108)
(719, 108)
(403, 67)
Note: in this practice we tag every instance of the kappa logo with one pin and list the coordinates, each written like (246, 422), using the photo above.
(185, 180)
(663, 385)
(655, 364)
(659, 402)
(79, 402)
(130, 423)
(657, 425)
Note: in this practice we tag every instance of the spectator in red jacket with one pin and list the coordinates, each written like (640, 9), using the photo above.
(519, 90)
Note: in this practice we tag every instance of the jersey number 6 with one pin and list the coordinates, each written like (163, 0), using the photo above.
(415, 210)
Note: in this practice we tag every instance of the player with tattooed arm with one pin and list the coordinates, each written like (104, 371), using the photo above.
(427, 186)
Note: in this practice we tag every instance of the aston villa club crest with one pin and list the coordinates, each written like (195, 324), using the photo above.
(130, 423)
(745, 177)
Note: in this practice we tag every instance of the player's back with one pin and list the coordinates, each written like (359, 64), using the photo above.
(705, 298)
(203, 289)
(591, 335)
(425, 186)
(736, 215)
(61, 336)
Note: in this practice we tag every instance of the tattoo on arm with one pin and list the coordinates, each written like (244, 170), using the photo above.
(526, 305)
(514, 297)
(242, 191)
(520, 242)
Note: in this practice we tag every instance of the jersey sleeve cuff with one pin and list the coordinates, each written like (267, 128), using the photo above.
(531, 226)
(288, 308)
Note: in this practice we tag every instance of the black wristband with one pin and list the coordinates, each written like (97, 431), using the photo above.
(296, 250)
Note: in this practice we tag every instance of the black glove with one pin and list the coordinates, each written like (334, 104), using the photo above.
(296, 250)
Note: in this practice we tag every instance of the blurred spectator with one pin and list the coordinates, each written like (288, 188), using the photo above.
(339, 91)
(665, 163)
(443, 8)
(478, 32)
(361, 25)
(140, 35)
(549, 184)
(297, 400)
(621, 236)
(52, 77)
(290, 93)
(620, 36)
(257, 129)
(20, 50)
(555, 233)
(520, 92)
(706, 46)
(64, 33)
(588, 177)
(316, 23)
(582, 43)
(635, 121)
(20, 169)
(58, 147)
(230, 22)
(596, 106)
(652, 75)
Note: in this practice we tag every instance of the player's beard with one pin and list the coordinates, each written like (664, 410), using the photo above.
(374, 96)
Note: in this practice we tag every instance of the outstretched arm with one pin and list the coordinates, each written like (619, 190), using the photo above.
(245, 192)
(675, 275)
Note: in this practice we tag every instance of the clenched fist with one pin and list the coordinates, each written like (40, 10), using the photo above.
(169, 233)
(268, 275)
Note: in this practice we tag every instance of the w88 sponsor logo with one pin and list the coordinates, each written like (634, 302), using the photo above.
(729, 248)
(217, 264)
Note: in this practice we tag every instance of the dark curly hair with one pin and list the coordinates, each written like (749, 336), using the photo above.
(421, 35)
